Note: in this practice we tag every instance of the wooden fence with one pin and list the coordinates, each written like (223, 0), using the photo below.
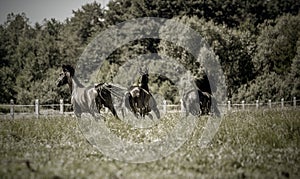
(269, 104)
(11, 110)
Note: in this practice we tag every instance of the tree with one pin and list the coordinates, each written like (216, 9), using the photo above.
(275, 61)
(276, 46)
(294, 77)
(233, 48)
(253, 41)
(14, 30)
(87, 21)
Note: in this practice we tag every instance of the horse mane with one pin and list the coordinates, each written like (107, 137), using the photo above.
(144, 82)
(78, 83)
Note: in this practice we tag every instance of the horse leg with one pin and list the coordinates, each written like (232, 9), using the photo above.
(209, 106)
(126, 103)
(147, 111)
(133, 105)
(208, 103)
(98, 103)
(214, 106)
(149, 114)
(113, 110)
(185, 108)
(152, 105)
(106, 99)
(142, 112)
(156, 111)
(77, 110)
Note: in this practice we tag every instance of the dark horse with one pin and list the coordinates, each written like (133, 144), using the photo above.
(197, 102)
(139, 99)
(83, 99)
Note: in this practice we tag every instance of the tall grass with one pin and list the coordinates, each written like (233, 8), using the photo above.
(256, 144)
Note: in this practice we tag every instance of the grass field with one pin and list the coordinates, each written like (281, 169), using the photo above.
(260, 144)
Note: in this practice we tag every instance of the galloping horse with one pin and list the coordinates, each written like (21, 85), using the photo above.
(198, 102)
(84, 99)
(139, 99)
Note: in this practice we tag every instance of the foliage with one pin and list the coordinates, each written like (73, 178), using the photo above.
(277, 45)
(231, 13)
(87, 21)
(253, 41)
(268, 86)
(294, 76)
(11, 34)
(233, 48)
(275, 62)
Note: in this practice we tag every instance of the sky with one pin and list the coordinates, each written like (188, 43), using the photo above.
(38, 10)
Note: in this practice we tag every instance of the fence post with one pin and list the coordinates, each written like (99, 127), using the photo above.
(165, 106)
(270, 103)
(294, 102)
(61, 106)
(243, 105)
(182, 110)
(282, 103)
(257, 104)
(229, 105)
(12, 110)
(37, 107)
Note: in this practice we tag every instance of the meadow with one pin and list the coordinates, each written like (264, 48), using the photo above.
(248, 144)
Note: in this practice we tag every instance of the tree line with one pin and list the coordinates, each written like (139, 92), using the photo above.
(257, 43)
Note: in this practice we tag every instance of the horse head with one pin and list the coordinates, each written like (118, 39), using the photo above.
(145, 78)
(67, 72)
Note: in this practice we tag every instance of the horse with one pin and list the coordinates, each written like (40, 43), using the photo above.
(83, 99)
(198, 103)
(139, 99)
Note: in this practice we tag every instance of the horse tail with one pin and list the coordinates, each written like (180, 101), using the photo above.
(127, 101)
(215, 107)
(98, 88)
(116, 90)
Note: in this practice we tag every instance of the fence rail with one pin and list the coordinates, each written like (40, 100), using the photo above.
(11, 110)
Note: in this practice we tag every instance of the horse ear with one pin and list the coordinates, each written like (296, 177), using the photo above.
(146, 71)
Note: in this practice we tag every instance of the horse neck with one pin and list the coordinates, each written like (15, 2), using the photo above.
(144, 83)
(74, 84)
